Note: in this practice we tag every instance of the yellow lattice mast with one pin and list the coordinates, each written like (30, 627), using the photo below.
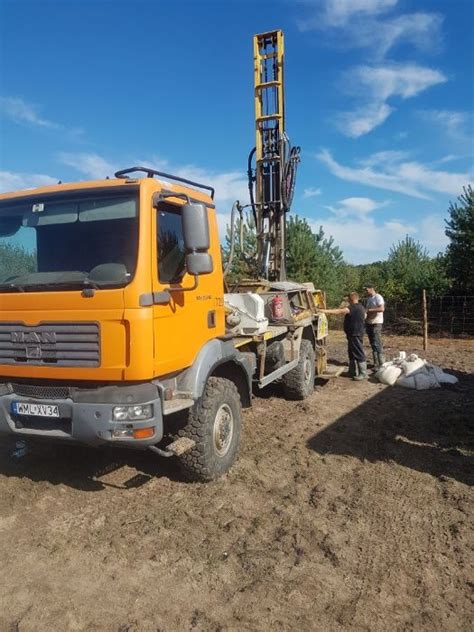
(275, 161)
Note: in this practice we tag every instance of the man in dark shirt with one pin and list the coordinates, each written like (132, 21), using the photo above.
(354, 328)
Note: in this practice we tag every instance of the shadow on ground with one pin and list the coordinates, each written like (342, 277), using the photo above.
(83, 468)
(428, 431)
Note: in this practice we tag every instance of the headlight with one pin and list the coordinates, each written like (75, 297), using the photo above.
(133, 413)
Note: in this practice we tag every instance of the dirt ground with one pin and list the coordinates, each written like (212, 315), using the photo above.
(351, 510)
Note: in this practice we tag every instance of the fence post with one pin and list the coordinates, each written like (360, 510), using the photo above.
(425, 322)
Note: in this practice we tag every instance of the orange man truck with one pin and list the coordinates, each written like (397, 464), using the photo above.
(114, 325)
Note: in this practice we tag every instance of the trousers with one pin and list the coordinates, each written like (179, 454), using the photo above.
(355, 348)
(374, 333)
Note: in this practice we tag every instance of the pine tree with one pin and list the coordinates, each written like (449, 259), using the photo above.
(460, 251)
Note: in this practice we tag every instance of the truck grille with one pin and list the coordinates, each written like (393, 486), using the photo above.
(37, 391)
(50, 344)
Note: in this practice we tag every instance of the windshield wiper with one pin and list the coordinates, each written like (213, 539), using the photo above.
(76, 283)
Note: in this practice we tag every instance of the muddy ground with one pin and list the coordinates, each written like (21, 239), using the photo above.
(351, 510)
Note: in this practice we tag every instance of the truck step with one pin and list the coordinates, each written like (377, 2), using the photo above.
(275, 375)
(332, 370)
(180, 446)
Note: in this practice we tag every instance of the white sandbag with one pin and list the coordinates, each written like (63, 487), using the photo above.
(413, 372)
(436, 370)
(425, 380)
(388, 374)
(407, 382)
(441, 376)
(412, 366)
(447, 378)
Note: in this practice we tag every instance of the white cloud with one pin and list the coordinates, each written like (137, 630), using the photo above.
(389, 157)
(368, 176)
(362, 24)
(432, 233)
(311, 192)
(359, 207)
(90, 165)
(340, 12)
(22, 112)
(452, 120)
(374, 85)
(14, 181)
(411, 178)
(448, 158)
(453, 123)
(363, 239)
(383, 81)
(363, 120)
(439, 181)
(422, 30)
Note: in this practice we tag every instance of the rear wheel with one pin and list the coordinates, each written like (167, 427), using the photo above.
(299, 382)
(214, 424)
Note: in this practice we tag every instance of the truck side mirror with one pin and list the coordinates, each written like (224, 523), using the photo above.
(196, 238)
(195, 227)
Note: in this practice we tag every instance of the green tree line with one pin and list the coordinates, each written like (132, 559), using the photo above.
(312, 256)
(15, 260)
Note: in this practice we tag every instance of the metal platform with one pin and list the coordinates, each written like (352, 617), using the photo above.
(332, 371)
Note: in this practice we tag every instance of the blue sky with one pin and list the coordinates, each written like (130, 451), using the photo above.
(379, 95)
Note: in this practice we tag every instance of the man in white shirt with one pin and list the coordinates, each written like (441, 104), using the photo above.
(375, 307)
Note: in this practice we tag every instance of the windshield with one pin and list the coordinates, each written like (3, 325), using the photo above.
(68, 243)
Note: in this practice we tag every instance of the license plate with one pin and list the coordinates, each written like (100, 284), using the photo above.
(35, 410)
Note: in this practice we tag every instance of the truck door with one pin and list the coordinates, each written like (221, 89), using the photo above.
(186, 320)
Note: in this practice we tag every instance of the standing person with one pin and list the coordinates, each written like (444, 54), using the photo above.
(375, 307)
(354, 328)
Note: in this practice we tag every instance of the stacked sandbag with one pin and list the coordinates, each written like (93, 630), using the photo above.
(413, 372)
(388, 373)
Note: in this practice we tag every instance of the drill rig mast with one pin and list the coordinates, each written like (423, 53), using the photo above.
(272, 180)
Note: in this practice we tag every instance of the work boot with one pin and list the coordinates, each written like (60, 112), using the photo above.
(352, 368)
(362, 375)
(381, 359)
(376, 366)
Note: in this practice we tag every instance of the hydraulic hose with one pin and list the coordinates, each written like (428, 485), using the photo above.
(251, 180)
(288, 181)
(235, 206)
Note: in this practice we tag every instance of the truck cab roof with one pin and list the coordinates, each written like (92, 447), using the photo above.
(123, 178)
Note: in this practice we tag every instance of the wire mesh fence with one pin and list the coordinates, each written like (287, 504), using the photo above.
(447, 316)
(452, 315)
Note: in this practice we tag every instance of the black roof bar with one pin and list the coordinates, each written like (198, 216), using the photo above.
(151, 172)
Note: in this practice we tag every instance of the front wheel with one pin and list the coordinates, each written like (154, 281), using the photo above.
(214, 424)
(299, 382)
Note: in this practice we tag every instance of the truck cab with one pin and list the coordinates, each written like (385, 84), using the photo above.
(111, 310)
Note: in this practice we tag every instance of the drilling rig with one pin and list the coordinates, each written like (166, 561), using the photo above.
(272, 181)
(285, 314)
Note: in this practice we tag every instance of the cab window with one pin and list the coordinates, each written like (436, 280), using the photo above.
(170, 245)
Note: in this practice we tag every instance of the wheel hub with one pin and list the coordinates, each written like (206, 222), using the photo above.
(223, 429)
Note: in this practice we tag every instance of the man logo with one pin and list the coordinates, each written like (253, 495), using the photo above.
(35, 338)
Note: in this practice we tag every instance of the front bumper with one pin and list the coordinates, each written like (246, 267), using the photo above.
(86, 416)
